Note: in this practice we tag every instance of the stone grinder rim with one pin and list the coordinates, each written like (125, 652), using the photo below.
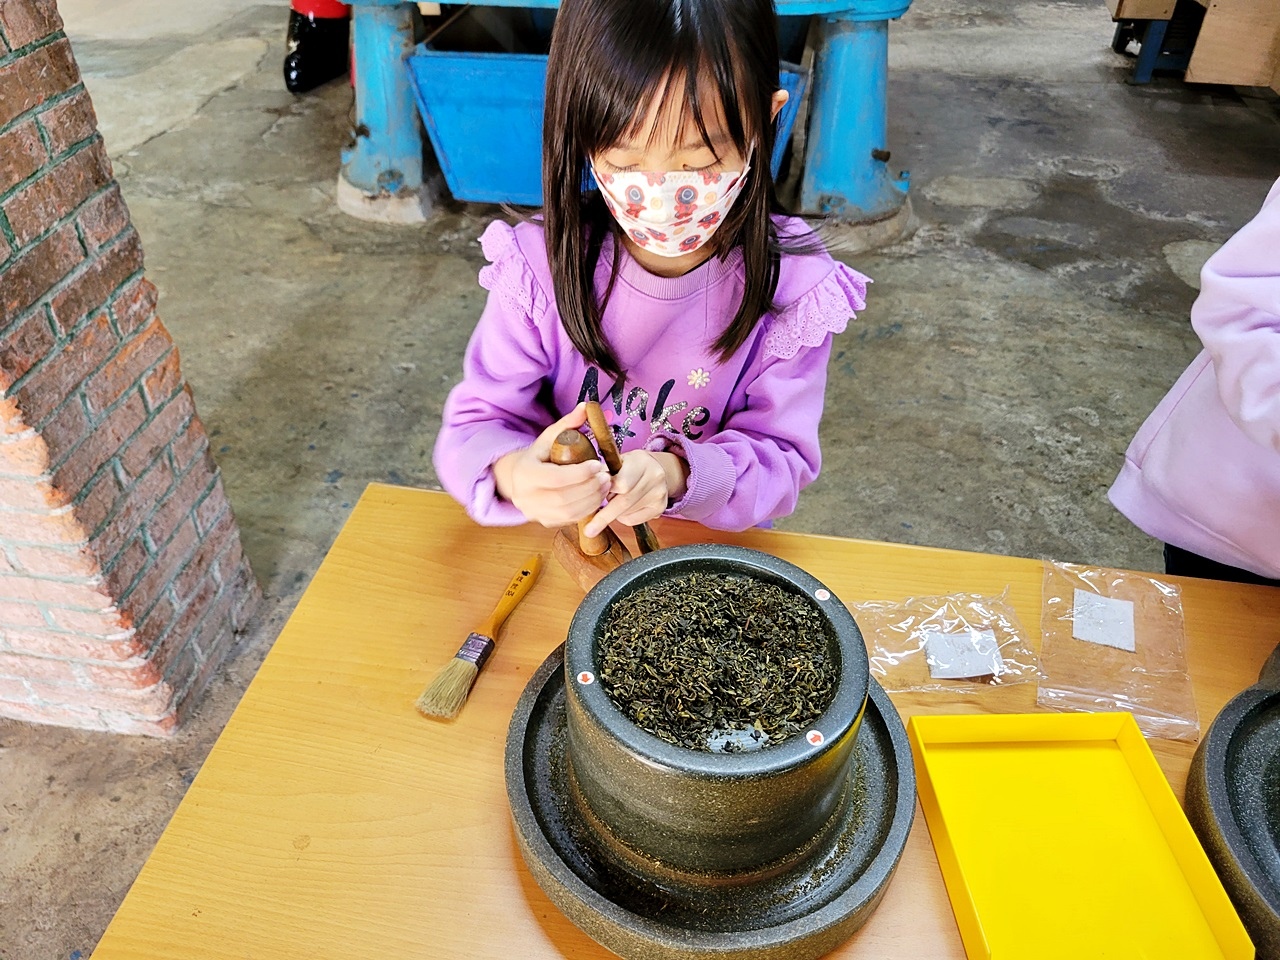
(824, 927)
(1211, 798)
(840, 717)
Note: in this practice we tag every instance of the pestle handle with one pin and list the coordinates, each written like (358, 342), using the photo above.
(603, 433)
(572, 447)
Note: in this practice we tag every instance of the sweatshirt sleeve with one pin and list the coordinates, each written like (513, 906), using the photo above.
(497, 407)
(1237, 316)
(753, 469)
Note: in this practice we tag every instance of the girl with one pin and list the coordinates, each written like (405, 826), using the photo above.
(1203, 473)
(672, 290)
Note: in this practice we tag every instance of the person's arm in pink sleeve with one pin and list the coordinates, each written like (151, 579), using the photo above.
(753, 470)
(1237, 316)
(494, 411)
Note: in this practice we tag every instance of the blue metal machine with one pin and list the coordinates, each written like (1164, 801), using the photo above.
(846, 171)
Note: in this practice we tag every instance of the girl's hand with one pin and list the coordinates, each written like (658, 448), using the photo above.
(642, 489)
(548, 493)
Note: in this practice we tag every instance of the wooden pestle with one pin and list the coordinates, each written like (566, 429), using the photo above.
(587, 559)
(646, 540)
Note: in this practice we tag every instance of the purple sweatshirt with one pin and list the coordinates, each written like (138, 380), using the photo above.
(747, 428)
(1203, 472)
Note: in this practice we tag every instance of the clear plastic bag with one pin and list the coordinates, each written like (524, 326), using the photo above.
(963, 643)
(1113, 640)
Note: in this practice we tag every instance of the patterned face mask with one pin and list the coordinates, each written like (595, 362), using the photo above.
(670, 213)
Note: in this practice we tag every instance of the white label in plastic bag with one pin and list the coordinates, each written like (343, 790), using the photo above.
(1104, 620)
(958, 656)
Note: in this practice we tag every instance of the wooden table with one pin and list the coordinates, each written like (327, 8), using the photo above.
(331, 821)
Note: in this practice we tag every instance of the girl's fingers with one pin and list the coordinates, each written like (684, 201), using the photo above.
(541, 447)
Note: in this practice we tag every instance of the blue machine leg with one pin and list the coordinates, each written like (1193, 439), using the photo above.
(382, 173)
(1149, 55)
(846, 173)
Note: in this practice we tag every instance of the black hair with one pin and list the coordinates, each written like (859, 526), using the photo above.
(609, 60)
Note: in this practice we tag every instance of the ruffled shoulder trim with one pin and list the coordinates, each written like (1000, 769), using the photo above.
(510, 275)
(827, 308)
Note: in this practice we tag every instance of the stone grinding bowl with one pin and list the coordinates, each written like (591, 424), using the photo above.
(1233, 803)
(657, 851)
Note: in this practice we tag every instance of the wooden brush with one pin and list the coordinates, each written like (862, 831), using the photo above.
(448, 691)
(645, 538)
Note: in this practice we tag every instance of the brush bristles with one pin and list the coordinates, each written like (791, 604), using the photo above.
(448, 691)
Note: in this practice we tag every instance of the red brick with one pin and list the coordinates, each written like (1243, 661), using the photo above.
(123, 370)
(7, 566)
(202, 563)
(57, 193)
(56, 561)
(15, 690)
(156, 579)
(69, 122)
(12, 422)
(60, 593)
(103, 218)
(49, 528)
(66, 429)
(27, 21)
(178, 505)
(24, 454)
(103, 444)
(99, 502)
(36, 271)
(36, 668)
(190, 616)
(211, 509)
(136, 675)
(128, 565)
(149, 445)
(145, 699)
(70, 646)
(22, 153)
(154, 627)
(138, 503)
(95, 285)
(134, 305)
(112, 626)
(62, 715)
(216, 628)
(21, 616)
(163, 727)
(5, 250)
(39, 76)
(24, 347)
(63, 372)
(163, 382)
(32, 495)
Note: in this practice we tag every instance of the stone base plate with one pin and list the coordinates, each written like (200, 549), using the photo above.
(1233, 802)
(801, 912)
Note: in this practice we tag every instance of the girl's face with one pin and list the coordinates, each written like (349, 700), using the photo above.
(667, 140)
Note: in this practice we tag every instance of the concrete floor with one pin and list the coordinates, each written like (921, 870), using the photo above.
(982, 401)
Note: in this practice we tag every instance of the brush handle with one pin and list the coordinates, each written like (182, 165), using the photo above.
(603, 433)
(520, 584)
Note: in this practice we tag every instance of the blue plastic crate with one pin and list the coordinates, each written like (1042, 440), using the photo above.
(483, 113)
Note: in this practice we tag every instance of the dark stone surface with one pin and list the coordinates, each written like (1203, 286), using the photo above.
(802, 912)
(701, 811)
(1233, 802)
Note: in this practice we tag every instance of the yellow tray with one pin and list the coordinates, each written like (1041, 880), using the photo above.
(1059, 837)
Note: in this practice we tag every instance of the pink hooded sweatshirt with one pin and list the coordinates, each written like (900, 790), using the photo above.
(1203, 472)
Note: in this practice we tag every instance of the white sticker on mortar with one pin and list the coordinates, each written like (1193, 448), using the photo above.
(1103, 620)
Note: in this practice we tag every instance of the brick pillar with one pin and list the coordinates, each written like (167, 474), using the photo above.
(122, 581)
